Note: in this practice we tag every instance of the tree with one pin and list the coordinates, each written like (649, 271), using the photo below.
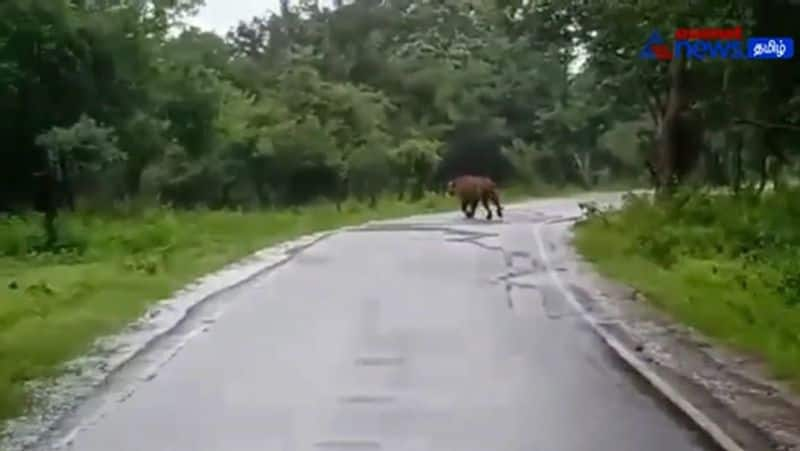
(84, 147)
(307, 101)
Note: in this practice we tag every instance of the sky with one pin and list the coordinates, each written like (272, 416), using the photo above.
(221, 15)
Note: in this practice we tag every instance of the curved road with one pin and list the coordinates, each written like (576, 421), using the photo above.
(428, 334)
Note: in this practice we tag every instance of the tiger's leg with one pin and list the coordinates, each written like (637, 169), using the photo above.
(496, 201)
(485, 202)
(472, 206)
(464, 204)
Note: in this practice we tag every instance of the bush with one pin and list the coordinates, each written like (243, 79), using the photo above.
(17, 236)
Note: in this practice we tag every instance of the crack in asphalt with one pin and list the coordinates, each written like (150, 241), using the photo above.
(509, 297)
(549, 293)
(560, 220)
(474, 240)
(508, 275)
(422, 227)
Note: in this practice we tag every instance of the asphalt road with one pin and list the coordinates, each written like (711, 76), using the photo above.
(431, 334)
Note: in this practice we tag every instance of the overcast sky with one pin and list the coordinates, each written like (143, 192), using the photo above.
(220, 15)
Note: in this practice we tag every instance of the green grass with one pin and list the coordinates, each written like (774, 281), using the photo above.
(727, 267)
(113, 266)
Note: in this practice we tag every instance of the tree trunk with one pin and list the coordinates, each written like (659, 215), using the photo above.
(655, 104)
(264, 199)
(50, 230)
(584, 168)
(67, 187)
(418, 191)
(667, 139)
(679, 141)
(133, 178)
(714, 168)
(49, 204)
(225, 197)
(777, 172)
(737, 162)
(763, 173)
(343, 192)
(651, 170)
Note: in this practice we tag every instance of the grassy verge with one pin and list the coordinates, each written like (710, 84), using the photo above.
(727, 266)
(112, 267)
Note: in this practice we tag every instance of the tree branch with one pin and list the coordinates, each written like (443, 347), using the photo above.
(676, 100)
(657, 100)
(762, 124)
(652, 110)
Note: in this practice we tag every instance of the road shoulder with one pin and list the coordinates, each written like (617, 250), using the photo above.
(729, 389)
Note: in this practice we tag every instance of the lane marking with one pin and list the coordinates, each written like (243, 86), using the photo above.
(702, 420)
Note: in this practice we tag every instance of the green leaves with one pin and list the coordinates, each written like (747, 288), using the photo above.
(287, 100)
(86, 145)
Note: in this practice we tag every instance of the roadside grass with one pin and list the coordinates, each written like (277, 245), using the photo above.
(727, 266)
(110, 267)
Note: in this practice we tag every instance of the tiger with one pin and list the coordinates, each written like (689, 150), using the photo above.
(470, 189)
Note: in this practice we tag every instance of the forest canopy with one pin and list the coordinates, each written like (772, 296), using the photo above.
(104, 101)
(111, 100)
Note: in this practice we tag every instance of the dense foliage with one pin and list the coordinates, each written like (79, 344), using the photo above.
(104, 101)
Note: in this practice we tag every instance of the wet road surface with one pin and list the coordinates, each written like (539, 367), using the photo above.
(431, 334)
